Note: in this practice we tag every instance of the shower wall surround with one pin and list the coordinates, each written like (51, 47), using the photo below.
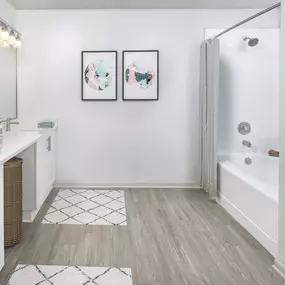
(249, 90)
(127, 143)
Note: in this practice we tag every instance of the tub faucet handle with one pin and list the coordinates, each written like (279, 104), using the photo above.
(273, 153)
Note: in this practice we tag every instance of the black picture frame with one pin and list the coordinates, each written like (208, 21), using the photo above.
(82, 74)
(123, 75)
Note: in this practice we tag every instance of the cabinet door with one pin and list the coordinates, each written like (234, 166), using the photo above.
(41, 170)
(38, 171)
(45, 168)
(51, 148)
(29, 157)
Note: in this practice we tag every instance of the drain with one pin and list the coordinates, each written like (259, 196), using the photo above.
(248, 161)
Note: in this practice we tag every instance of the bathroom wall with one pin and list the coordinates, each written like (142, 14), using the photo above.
(281, 255)
(120, 143)
(7, 12)
(249, 90)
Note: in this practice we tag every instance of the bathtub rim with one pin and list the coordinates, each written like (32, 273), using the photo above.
(252, 181)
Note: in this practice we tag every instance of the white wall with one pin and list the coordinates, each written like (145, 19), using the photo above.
(7, 12)
(281, 257)
(249, 87)
(120, 142)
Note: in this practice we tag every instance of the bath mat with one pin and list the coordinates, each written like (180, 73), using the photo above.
(70, 275)
(88, 207)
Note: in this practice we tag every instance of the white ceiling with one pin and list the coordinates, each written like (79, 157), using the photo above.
(141, 4)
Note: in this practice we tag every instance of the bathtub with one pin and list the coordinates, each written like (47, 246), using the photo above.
(250, 194)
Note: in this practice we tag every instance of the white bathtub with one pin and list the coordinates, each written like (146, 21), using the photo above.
(250, 194)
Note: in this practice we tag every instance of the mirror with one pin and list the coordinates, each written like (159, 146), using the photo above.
(8, 83)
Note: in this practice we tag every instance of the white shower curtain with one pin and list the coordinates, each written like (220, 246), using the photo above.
(209, 103)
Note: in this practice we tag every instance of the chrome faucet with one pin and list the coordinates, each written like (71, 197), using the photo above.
(8, 124)
(247, 144)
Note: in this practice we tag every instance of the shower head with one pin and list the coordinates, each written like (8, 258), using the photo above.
(252, 42)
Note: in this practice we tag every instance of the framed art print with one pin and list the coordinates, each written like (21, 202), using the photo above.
(99, 75)
(140, 75)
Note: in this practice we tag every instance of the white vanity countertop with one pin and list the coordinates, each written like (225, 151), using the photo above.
(15, 143)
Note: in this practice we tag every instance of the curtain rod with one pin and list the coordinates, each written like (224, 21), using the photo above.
(248, 19)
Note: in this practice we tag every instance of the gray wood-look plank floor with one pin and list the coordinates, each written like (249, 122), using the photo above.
(173, 237)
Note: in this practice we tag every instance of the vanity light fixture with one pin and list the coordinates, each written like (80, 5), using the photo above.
(18, 42)
(9, 37)
(4, 33)
(3, 44)
(12, 38)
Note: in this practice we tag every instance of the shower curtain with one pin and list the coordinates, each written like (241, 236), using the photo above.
(209, 103)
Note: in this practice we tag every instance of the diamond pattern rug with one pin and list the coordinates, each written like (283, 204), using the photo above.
(88, 207)
(70, 275)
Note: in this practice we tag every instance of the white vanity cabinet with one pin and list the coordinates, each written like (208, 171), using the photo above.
(45, 176)
(38, 173)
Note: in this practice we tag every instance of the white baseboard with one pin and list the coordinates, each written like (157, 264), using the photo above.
(279, 268)
(71, 184)
(29, 216)
(266, 241)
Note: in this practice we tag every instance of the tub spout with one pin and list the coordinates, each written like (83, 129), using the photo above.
(247, 144)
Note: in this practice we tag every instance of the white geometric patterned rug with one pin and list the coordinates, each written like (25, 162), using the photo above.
(88, 207)
(70, 275)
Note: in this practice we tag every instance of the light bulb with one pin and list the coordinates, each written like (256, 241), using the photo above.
(12, 39)
(4, 34)
(3, 44)
(18, 42)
